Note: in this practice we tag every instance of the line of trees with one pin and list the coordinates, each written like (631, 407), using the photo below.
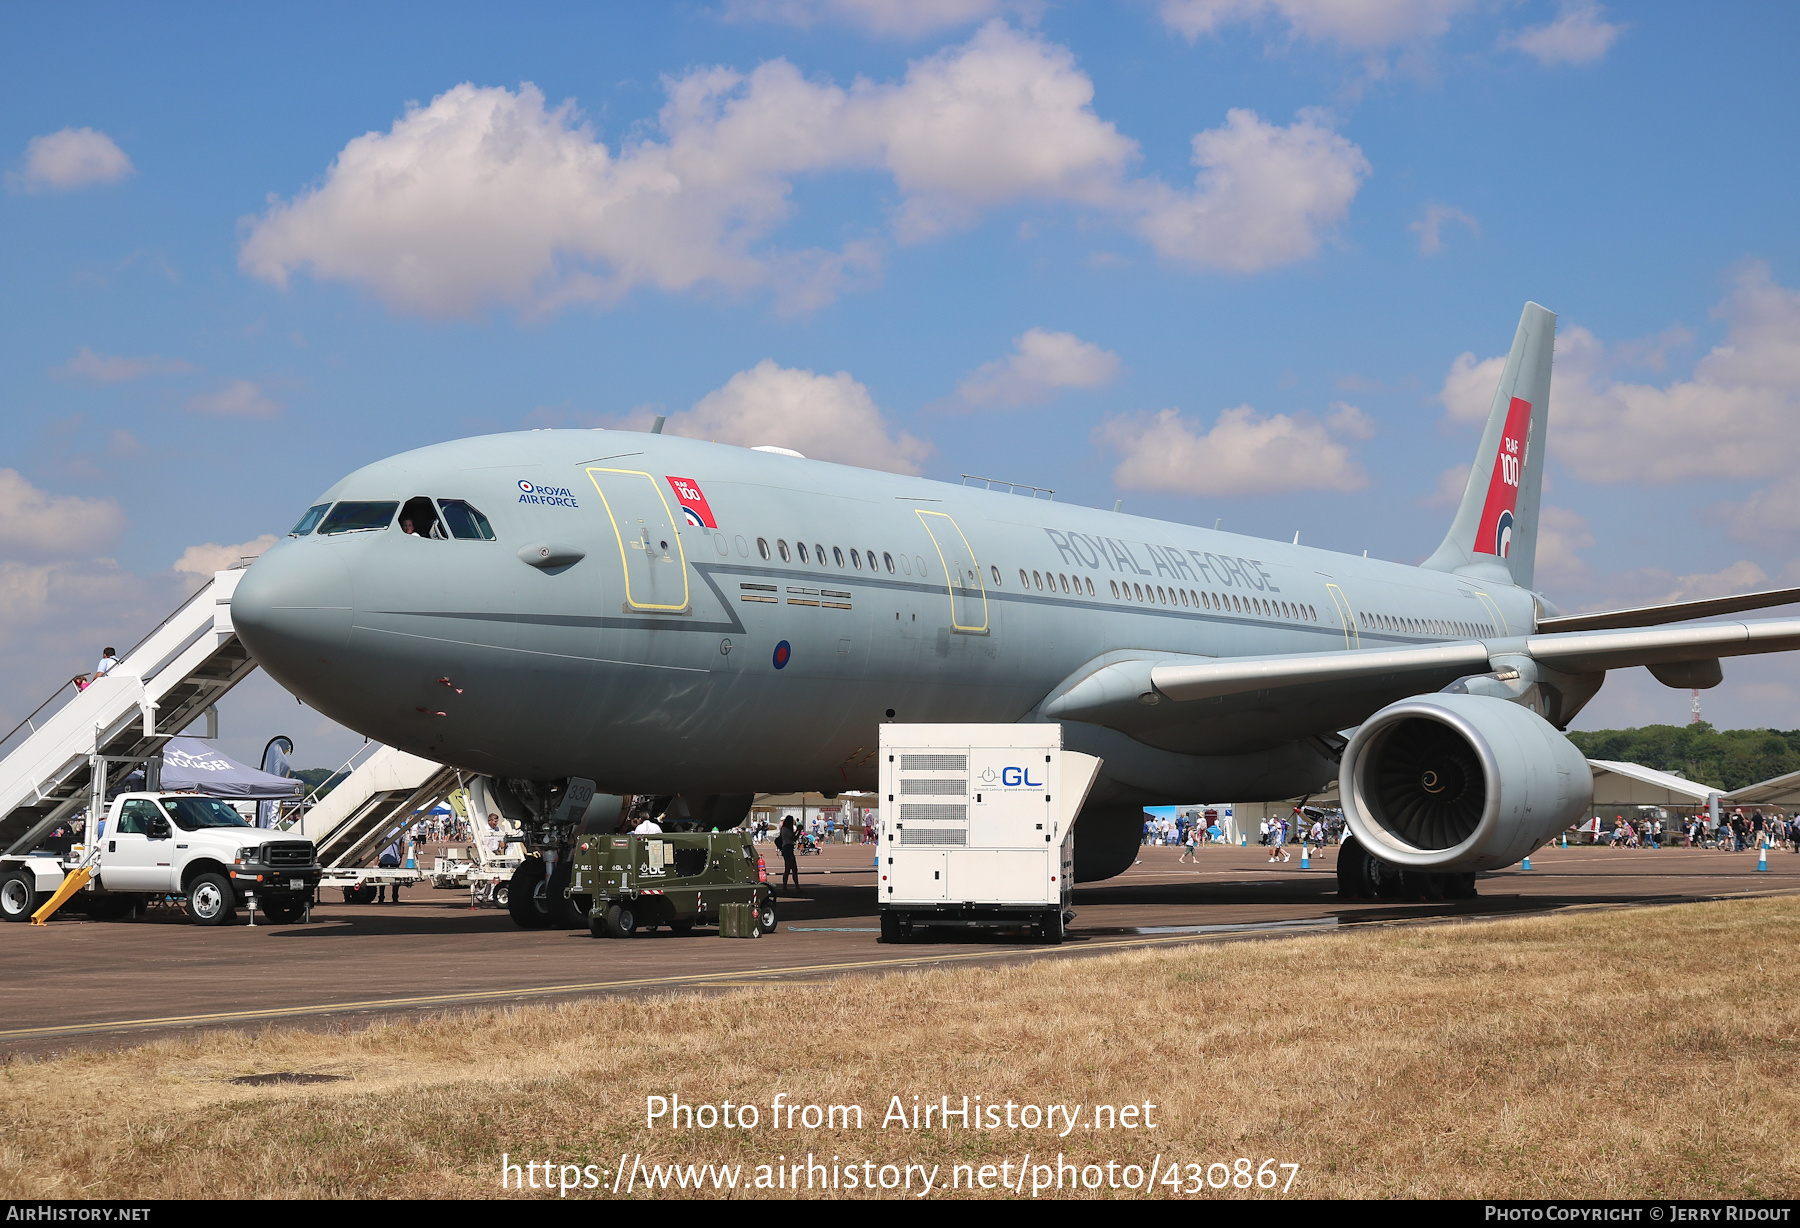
(1723, 758)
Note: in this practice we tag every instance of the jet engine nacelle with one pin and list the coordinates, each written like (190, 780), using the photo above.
(1454, 783)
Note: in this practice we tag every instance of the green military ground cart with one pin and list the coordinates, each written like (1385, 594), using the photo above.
(677, 879)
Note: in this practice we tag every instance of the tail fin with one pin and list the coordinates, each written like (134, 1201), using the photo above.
(1494, 534)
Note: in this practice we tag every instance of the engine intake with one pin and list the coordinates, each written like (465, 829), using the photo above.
(1460, 782)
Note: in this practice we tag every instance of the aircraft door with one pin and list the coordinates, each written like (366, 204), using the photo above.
(1345, 615)
(648, 536)
(962, 572)
(1493, 611)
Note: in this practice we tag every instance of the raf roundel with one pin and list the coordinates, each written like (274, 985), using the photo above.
(783, 653)
(525, 486)
(1503, 532)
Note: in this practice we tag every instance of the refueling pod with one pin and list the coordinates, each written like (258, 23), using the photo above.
(1453, 784)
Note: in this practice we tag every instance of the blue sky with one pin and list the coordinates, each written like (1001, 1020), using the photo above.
(1238, 259)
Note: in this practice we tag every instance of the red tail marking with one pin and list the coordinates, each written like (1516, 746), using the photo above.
(1494, 536)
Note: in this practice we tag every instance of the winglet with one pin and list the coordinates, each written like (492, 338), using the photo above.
(1494, 534)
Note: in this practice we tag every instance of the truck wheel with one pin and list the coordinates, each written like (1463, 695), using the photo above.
(527, 896)
(1052, 927)
(18, 895)
(501, 894)
(681, 927)
(890, 928)
(210, 900)
(283, 912)
(765, 915)
(621, 921)
(597, 925)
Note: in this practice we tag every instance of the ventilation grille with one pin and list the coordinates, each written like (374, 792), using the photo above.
(927, 812)
(934, 835)
(934, 763)
(928, 787)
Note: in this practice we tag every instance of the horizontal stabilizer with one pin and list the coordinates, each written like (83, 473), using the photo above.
(1678, 612)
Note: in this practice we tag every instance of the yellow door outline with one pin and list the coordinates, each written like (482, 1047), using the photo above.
(1352, 637)
(951, 581)
(618, 536)
(1494, 612)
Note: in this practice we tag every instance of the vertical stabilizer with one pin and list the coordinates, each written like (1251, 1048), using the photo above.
(1494, 535)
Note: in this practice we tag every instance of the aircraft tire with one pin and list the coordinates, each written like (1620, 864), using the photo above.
(1462, 886)
(1353, 871)
(567, 912)
(523, 902)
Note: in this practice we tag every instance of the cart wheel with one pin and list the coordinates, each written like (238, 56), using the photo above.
(621, 922)
(597, 926)
(765, 916)
(501, 894)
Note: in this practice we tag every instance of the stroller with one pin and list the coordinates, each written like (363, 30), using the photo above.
(806, 846)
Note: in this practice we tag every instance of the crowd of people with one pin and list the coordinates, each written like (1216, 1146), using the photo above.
(1736, 832)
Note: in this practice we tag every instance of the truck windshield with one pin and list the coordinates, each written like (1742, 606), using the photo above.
(193, 813)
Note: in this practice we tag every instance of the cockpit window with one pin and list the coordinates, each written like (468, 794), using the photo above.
(310, 521)
(420, 518)
(358, 517)
(465, 522)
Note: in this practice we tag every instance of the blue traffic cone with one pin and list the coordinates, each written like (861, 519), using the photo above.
(1243, 840)
(1526, 864)
(1762, 856)
(1565, 839)
(1305, 864)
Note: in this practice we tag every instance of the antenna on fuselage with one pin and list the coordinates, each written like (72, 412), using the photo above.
(1117, 504)
(656, 427)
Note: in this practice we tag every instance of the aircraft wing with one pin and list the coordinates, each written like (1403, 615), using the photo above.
(1221, 704)
(1677, 612)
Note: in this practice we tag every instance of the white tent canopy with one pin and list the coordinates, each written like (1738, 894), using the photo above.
(1632, 784)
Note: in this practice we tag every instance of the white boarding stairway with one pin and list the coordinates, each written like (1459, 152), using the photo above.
(58, 759)
(389, 790)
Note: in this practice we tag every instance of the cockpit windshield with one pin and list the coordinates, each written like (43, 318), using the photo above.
(465, 522)
(358, 517)
(310, 521)
(193, 813)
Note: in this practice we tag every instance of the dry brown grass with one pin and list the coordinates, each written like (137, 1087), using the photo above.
(1616, 1054)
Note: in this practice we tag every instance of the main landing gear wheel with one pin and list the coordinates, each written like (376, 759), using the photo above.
(567, 912)
(18, 895)
(210, 900)
(621, 921)
(527, 897)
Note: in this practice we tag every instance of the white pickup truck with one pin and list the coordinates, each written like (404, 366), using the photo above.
(170, 844)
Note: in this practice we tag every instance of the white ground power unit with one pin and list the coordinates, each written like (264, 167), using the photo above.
(977, 827)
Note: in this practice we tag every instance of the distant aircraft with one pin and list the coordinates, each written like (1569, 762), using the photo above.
(582, 615)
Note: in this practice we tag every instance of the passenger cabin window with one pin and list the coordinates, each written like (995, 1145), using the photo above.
(782, 550)
(418, 516)
(310, 521)
(887, 560)
(467, 524)
(762, 547)
(801, 547)
(837, 553)
(854, 561)
(358, 517)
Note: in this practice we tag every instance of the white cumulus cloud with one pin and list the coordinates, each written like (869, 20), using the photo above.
(488, 196)
(1430, 228)
(1357, 25)
(825, 417)
(205, 559)
(72, 158)
(37, 524)
(1265, 195)
(1041, 365)
(1562, 536)
(1577, 36)
(1245, 453)
(111, 368)
(238, 399)
(1733, 419)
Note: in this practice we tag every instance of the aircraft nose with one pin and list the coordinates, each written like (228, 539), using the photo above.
(292, 610)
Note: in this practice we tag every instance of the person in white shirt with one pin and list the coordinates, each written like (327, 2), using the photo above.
(108, 660)
(649, 827)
